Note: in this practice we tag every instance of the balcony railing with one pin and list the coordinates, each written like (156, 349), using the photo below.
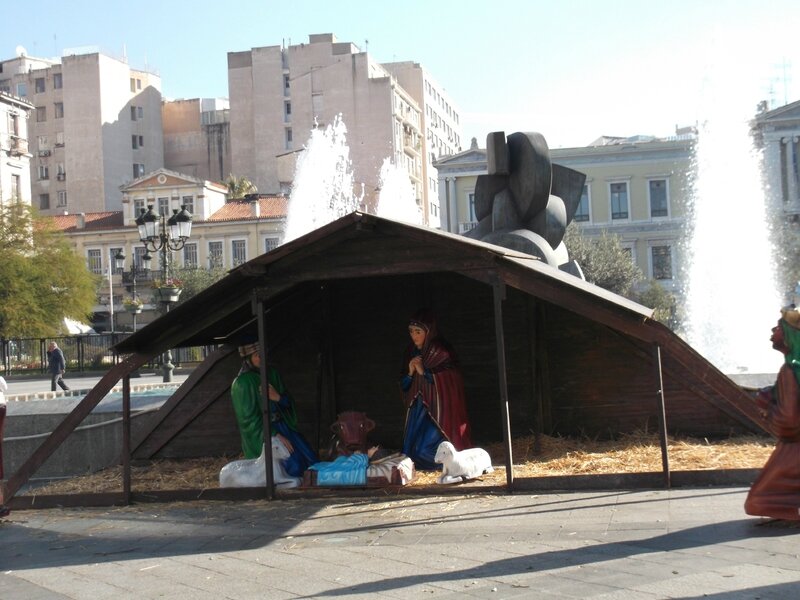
(465, 226)
(19, 145)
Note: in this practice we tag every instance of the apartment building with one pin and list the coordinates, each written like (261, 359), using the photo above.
(441, 127)
(197, 137)
(279, 93)
(636, 188)
(15, 179)
(96, 124)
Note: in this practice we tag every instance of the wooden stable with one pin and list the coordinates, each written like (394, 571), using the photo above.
(541, 350)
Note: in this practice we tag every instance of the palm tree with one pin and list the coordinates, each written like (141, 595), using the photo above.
(239, 187)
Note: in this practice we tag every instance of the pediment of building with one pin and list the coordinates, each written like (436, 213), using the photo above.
(161, 178)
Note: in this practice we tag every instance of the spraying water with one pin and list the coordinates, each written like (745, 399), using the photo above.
(397, 198)
(731, 298)
(324, 186)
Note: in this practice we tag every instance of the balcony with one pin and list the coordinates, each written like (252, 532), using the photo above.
(61, 176)
(19, 146)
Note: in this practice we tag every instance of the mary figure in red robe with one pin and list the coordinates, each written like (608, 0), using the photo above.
(776, 491)
(433, 393)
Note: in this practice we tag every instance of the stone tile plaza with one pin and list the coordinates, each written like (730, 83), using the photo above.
(684, 543)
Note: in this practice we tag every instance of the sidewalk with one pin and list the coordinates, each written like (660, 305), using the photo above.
(610, 545)
(39, 389)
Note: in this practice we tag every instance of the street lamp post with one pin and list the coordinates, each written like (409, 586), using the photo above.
(119, 263)
(159, 233)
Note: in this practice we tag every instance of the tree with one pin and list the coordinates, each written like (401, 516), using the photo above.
(239, 187)
(41, 279)
(193, 281)
(664, 303)
(603, 260)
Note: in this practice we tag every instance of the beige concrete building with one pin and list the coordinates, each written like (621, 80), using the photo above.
(197, 137)
(231, 234)
(441, 127)
(636, 188)
(15, 156)
(96, 125)
(278, 94)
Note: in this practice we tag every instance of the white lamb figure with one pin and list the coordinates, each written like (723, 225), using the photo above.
(251, 473)
(460, 466)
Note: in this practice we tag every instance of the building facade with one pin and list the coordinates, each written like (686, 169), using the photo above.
(636, 188)
(15, 156)
(441, 127)
(232, 233)
(96, 124)
(279, 94)
(778, 135)
(197, 137)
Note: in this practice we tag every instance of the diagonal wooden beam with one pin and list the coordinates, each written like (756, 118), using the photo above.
(70, 422)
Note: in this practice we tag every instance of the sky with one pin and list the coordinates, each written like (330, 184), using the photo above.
(572, 70)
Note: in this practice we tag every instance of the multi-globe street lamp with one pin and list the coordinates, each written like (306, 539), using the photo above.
(166, 235)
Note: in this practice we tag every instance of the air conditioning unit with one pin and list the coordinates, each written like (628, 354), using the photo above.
(44, 152)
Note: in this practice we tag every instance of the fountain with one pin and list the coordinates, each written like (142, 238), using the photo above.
(731, 297)
(396, 199)
(324, 186)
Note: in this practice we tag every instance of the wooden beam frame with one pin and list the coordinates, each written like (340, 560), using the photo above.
(499, 294)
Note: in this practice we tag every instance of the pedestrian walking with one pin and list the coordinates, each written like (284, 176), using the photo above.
(56, 365)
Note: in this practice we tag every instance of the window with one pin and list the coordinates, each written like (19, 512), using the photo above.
(138, 207)
(94, 261)
(22, 90)
(658, 198)
(214, 255)
(39, 85)
(270, 243)
(163, 206)
(139, 112)
(619, 200)
(62, 198)
(188, 202)
(5, 86)
(13, 126)
(190, 256)
(238, 252)
(44, 201)
(471, 205)
(59, 110)
(134, 141)
(41, 114)
(287, 111)
(662, 262)
(138, 170)
(59, 139)
(61, 173)
(133, 84)
(141, 141)
(288, 138)
(16, 190)
(44, 172)
(111, 254)
(133, 113)
(582, 212)
(138, 257)
(286, 83)
(138, 84)
(58, 83)
(41, 142)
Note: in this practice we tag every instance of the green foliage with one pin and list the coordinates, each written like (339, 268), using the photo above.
(239, 187)
(41, 279)
(603, 260)
(192, 282)
(664, 303)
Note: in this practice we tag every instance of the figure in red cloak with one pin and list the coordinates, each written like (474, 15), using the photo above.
(433, 393)
(776, 491)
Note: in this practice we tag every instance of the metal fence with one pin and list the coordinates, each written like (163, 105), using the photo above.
(86, 352)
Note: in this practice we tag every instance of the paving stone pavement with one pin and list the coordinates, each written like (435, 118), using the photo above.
(682, 543)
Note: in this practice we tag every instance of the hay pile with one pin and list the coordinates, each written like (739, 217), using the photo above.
(631, 453)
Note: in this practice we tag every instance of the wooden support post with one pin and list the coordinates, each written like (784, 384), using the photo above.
(499, 295)
(126, 439)
(662, 414)
(262, 352)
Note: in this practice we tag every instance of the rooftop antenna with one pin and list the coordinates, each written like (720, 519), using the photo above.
(366, 45)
